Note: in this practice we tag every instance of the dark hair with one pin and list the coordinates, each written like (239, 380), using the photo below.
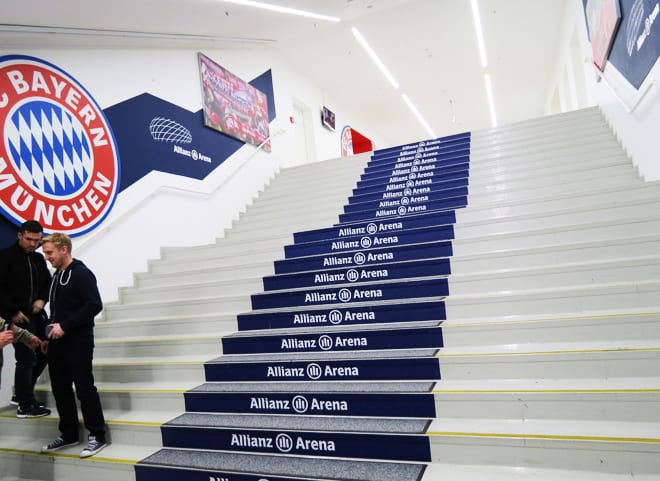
(31, 226)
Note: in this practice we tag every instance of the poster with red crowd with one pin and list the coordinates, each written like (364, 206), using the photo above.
(232, 106)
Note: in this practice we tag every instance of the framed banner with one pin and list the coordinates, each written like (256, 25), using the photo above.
(232, 106)
(603, 18)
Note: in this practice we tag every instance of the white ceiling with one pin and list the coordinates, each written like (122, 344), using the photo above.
(429, 46)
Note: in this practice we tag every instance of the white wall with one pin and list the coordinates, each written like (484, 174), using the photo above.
(168, 210)
(634, 115)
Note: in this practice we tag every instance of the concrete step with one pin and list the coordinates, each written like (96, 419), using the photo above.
(248, 271)
(482, 237)
(163, 325)
(567, 301)
(559, 254)
(192, 290)
(566, 275)
(219, 304)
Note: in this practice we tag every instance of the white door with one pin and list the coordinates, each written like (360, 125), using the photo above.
(302, 155)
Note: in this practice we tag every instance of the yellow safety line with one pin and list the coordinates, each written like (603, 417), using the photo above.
(146, 391)
(160, 339)
(71, 456)
(535, 353)
(447, 323)
(572, 391)
(546, 436)
(109, 421)
(157, 363)
(137, 423)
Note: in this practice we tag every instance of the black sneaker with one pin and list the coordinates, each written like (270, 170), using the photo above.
(13, 401)
(57, 444)
(34, 411)
(94, 445)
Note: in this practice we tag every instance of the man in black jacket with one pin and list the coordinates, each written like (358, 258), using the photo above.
(74, 302)
(23, 293)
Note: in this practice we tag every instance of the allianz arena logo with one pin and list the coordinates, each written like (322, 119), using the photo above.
(170, 131)
(167, 130)
(59, 162)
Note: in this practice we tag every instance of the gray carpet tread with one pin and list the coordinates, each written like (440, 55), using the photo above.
(393, 326)
(313, 356)
(354, 305)
(298, 467)
(317, 387)
(304, 423)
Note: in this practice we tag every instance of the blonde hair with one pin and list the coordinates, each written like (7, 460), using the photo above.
(59, 240)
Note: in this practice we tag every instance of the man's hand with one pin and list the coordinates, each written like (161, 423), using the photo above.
(20, 318)
(38, 306)
(6, 337)
(56, 331)
(34, 343)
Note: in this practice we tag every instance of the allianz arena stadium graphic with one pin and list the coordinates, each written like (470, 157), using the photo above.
(167, 130)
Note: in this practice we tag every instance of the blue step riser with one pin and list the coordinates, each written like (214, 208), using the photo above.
(371, 228)
(388, 213)
(408, 148)
(345, 316)
(365, 258)
(419, 179)
(374, 195)
(345, 341)
(440, 164)
(421, 148)
(361, 293)
(144, 472)
(345, 445)
(429, 151)
(428, 199)
(404, 237)
(318, 404)
(346, 370)
(386, 272)
(456, 181)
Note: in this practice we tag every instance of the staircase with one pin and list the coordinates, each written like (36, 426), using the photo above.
(509, 333)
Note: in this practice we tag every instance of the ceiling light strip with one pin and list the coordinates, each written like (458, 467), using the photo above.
(426, 126)
(480, 33)
(287, 10)
(375, 58)
(491, 101)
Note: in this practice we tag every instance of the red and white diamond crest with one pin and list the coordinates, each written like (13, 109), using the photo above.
(59, 162)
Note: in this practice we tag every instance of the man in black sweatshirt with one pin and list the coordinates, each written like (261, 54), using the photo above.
(23, 293)
(74, 302)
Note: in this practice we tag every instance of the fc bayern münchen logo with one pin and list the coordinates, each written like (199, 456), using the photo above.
(59, 162)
